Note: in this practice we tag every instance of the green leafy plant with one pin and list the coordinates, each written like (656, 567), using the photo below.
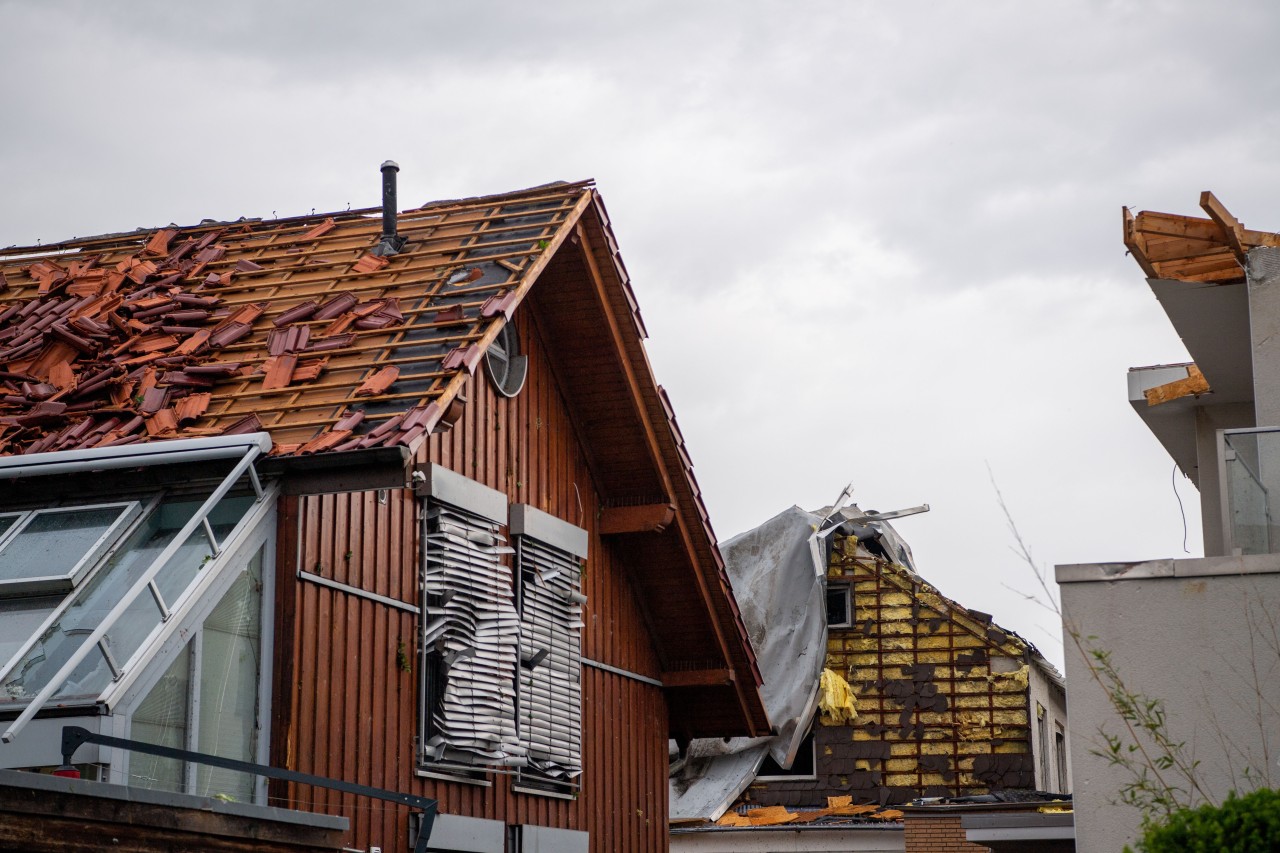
(1248, 824)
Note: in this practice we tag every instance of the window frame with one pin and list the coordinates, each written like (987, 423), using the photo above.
(185, 636)
(130, 510)
(255, 521)
(846, 590)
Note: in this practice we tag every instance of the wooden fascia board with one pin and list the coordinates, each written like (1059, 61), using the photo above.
(625, 360)
(652, 444)
(1136, 244)
(651, 412)
(459, 380)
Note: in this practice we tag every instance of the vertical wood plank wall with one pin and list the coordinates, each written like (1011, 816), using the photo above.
(346, 702)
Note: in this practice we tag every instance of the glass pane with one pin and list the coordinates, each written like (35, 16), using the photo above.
(7, 521)
(161, 719)
(95, 600)
(1253, 479)
(19, 619)
(229, 670)
(54, 542)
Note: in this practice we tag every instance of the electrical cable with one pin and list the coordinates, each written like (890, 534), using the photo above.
(1173, 480)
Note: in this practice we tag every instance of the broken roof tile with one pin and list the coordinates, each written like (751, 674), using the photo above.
(159, 242)
(369, 263)
(325, 441)
(110, 322)
(301, 311)
(318, 231)
(192, 406)
(153, 400)
(278, 370)
(309, 370)
(339, 304)
(249, 423)
(349, 421)
(163, 421)
(378, 382)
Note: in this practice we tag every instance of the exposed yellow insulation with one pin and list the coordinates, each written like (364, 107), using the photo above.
(835, 699)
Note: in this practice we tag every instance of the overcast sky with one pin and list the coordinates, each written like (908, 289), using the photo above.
(876, 242)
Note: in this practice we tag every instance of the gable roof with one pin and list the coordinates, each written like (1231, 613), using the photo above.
(296, 327)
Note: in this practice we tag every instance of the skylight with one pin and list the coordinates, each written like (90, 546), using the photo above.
(49, 550)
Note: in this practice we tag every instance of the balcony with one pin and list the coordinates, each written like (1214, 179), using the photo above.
(1249, 468)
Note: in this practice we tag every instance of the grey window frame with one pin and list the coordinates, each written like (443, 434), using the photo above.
(562, 542)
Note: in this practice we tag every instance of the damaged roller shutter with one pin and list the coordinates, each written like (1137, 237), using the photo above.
(549, 558)
(470, 628)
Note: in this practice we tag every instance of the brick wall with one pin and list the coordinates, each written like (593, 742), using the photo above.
(927, 833)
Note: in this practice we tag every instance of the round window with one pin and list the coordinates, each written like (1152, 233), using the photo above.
(504, 363)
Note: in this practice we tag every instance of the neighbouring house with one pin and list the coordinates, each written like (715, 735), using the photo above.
(389, 498)
(915, 697)
(1197, 634)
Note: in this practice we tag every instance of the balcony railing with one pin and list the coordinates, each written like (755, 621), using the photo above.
(1249, 470)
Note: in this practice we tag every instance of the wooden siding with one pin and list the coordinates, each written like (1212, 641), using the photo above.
(346, 700)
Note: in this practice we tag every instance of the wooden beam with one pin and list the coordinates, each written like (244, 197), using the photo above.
(649, 518)
(1160, 249)
(1136, 244)
(1173, 225)
(1233, 227)
(1194, 384)
(698, 678)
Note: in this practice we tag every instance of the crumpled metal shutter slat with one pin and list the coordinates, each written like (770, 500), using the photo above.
(550, 694)
(470, 619)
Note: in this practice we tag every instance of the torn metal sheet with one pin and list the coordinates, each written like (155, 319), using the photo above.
(779, 581)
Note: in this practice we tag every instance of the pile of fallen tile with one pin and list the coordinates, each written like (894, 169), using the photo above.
(104, 354)
(838, 810)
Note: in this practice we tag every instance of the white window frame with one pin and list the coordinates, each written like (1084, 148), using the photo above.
(52, 584)
(259, 535)
(197, 599)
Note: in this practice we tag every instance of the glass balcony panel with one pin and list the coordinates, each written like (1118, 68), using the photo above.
(1251, 460)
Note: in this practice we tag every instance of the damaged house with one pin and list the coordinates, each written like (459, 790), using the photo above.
(1197, 634)
(386, 498)
(899, 694)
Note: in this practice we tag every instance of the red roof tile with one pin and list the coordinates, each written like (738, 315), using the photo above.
(200, 330)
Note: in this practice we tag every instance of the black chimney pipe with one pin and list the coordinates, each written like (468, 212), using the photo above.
(390, 242)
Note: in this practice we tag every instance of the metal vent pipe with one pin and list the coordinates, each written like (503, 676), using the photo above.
(390, 242)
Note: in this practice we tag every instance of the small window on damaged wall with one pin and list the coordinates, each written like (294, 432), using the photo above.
(839, 613)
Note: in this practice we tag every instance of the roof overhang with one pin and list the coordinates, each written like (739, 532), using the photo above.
(1172, 422)
(1213, 322)
(1052, 832)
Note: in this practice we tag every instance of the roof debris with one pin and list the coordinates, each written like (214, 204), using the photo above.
(290, 324)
